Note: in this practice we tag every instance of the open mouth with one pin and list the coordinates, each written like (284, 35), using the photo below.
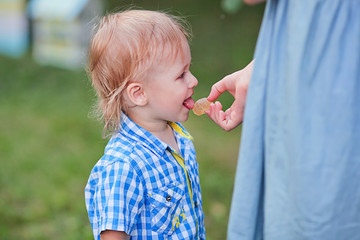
(189, 103)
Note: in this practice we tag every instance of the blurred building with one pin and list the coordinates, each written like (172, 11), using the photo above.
(61, 30)
(13, 28)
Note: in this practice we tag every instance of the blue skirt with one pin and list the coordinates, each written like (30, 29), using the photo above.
(298, 173)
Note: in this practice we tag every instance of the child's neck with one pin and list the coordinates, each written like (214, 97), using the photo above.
(159, 129)
(167, 135)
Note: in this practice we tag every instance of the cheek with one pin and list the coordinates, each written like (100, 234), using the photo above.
(173, 102)
(174, 96)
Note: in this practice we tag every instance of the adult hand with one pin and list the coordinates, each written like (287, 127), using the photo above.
(237, 84)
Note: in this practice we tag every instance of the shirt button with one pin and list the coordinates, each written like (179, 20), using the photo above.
(168, 198)
(196, 204)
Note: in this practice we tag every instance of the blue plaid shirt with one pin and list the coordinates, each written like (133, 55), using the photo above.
(139, 187)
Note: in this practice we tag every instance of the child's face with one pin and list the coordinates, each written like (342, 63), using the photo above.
(169, 87)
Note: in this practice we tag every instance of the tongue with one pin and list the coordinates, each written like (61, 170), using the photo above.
(189, 103)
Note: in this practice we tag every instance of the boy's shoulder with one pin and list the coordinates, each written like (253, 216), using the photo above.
(125, 149)
(122, 148)
(133, 148)
(119, 153)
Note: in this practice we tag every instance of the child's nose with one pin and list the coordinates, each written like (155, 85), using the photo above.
(193, 82)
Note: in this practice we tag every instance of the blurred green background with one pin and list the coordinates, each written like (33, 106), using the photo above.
(49, 144)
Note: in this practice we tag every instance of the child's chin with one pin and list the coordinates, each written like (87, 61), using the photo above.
(184, 118)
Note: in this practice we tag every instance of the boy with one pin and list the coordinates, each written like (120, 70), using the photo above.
(146, 186)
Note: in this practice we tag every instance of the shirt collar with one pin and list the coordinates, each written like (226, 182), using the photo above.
(134, 131)
(181, 130)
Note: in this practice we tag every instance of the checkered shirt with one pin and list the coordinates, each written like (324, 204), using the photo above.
(140, 188)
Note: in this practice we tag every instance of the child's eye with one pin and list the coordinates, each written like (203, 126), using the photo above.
(182, 75)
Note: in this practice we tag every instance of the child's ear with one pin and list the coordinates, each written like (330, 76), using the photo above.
(136, 94)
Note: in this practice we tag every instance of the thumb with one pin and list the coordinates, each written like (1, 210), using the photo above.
(216, 90)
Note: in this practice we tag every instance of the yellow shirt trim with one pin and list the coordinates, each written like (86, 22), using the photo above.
(180, 130)
(181, 162)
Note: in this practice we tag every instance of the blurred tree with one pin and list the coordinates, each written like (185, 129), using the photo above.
(231, 6)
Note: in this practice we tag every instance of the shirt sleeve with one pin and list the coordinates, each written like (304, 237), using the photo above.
(119, 198)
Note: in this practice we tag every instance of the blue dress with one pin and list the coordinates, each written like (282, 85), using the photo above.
(298, 173)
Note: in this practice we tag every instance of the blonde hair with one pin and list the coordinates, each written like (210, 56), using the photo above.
(122, 50)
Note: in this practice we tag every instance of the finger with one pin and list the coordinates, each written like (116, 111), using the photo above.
(215, 112)
(229, 123)
(238, 105)
(225, 123)
(234, 114)
(216, 90)
(231, 118)
(220, 117)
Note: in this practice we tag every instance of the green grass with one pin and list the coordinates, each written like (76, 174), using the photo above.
(48, 142)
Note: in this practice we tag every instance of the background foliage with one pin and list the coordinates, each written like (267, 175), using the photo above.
(48, 142)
